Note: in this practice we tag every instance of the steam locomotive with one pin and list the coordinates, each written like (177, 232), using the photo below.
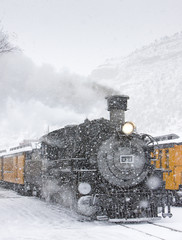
(101, 169)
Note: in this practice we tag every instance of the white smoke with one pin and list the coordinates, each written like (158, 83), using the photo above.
(33, 98)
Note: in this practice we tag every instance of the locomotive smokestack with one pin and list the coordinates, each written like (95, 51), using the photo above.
(117, 105)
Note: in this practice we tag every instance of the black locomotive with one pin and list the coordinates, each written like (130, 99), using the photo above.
(100, 168)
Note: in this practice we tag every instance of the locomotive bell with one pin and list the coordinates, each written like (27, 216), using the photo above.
(117, 105)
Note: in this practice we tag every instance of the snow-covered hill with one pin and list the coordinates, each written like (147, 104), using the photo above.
(152, 77)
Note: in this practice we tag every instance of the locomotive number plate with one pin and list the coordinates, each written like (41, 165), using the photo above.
(126, 159)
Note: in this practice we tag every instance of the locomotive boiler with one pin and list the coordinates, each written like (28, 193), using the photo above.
(101, 169)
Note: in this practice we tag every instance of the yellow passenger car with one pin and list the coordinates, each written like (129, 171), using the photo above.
(13, 168)
(169, 159)
(21, 168)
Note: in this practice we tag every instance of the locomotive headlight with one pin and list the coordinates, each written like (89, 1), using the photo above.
(84, 188)
(128, 128)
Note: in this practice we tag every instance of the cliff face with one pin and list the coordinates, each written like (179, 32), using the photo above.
(152, 77)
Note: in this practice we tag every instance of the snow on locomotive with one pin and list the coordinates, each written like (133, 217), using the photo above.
(100, 168)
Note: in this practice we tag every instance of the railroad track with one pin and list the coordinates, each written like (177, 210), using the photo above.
(161, 226)
(153, 233)
(140, 231)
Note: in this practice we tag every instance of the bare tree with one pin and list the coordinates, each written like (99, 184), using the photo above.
(5, 45)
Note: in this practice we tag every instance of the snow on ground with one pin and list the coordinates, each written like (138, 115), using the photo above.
(29, 218)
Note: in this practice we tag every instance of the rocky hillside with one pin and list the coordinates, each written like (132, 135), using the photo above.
(152, 77)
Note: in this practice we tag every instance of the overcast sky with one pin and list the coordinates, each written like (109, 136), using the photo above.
(81, 34)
